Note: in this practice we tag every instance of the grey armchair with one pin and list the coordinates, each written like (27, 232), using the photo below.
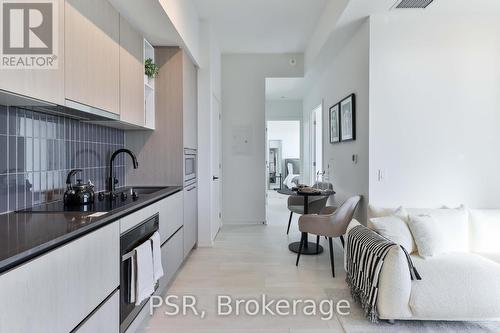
(316, 204)
(332, 222)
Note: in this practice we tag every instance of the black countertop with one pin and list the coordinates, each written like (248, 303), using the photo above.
(24, 236)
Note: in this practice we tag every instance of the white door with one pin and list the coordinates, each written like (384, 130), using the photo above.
(317, 142)
(216, 193)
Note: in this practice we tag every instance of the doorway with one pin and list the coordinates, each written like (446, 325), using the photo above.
(216, 166)
(284, 156)
(283, 144)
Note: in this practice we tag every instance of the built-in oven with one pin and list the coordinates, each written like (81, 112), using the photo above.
(128, 242)
(189, 165)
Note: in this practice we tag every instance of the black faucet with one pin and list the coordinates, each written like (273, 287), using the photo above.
(112, 181)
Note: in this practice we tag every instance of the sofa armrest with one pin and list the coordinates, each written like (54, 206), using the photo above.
(394, 283)
(394, 286)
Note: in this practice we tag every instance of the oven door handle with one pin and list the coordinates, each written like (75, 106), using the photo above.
(128, 255)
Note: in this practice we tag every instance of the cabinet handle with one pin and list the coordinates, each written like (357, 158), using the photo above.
(190, 189)
(215, 178)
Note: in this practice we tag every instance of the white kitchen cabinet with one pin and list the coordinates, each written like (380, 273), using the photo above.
(132, 220)
(92, 54)
(171, 215)
(189, 101)
(53, 293)
(131, 75)
(106, 319)
(190, 218)
(172, 256)
(43, 84)
(170, 210)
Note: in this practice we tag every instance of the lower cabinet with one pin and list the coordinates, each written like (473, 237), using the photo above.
(106, 319)
(172, 256)
(190, 218)
(53, 293)
(171, 215)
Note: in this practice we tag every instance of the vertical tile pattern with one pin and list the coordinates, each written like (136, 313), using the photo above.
(38, 150)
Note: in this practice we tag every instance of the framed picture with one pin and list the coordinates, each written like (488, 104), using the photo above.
(348, 118)
(335, 123)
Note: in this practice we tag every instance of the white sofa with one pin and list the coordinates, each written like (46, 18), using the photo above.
(458, 286)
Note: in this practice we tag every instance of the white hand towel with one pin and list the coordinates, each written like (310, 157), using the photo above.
(157, 267)
(144, 275)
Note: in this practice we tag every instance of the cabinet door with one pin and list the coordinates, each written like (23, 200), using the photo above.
(54, 292)
(131, 74)
(106, 319)
(190, 218)
(171, 215)
(190, 102)
(44, 84)
(172, 255)
(92, 71)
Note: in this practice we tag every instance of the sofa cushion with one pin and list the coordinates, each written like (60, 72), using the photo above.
(374, 212)
(456, 286)
(485, 230)
(395, 229)
(429, 239)
(451, 224)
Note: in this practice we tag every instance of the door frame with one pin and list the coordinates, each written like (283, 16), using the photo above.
(312, 141)
(218, 216)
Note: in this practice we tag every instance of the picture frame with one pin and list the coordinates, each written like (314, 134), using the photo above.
(335, 123)
(348, 118)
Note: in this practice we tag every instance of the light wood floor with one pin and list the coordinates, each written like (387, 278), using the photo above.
(250, 260)
(246, 262)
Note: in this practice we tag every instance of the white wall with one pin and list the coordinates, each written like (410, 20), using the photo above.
(346, 73)
(184, 16)
(284, 109)
(243, 117)
(288, 132)
(209, 78)
(435, 110)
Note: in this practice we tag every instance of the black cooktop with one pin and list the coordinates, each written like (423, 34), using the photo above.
(101, 204)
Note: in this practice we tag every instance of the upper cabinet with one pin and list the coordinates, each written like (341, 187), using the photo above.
(189, 100)
(92, 57)
(40, 83)
(131, 75)
(100, 67)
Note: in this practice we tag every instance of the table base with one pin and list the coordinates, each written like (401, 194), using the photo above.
(309, 250)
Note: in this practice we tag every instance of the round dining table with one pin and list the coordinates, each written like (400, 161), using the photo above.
(309, 248)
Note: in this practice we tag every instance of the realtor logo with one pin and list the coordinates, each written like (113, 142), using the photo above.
(29, 34)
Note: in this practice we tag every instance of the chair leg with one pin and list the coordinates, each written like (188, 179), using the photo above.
(342, 240)
(317, 244)
(289, 222)
(302, 240)
(331, 256)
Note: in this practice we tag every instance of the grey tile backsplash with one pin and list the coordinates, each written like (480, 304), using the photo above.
(37, 151)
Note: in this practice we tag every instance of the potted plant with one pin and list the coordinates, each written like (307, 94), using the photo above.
(150, 69)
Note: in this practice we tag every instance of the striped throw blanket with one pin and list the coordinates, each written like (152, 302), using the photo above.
(366, 251)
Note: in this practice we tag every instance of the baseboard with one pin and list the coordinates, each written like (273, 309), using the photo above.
(243, 222)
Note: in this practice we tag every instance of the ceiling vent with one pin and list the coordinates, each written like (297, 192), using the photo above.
(412, 4)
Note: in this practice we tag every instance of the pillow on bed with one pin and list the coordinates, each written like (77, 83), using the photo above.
(396, 229)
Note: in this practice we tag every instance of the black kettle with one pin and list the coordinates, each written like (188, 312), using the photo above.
(78, 194)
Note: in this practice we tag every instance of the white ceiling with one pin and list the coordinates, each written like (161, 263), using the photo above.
(261, 26)
(285, 88)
